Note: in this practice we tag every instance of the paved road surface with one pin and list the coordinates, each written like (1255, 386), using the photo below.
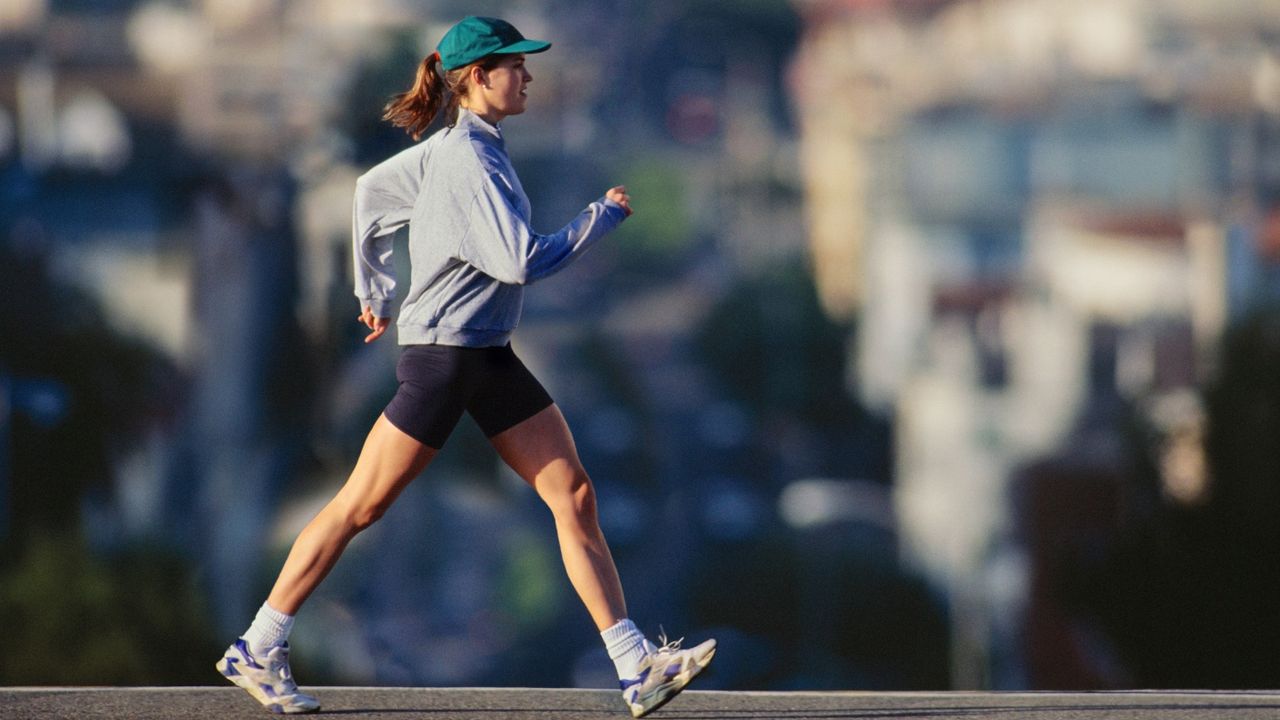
(509, 704)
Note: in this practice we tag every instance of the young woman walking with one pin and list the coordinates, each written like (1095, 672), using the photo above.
(471, 252)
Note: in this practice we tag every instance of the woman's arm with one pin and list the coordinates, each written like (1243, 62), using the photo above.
(384, 201)
(501, 244)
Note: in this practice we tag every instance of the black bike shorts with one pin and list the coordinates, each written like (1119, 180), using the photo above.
(439, 382)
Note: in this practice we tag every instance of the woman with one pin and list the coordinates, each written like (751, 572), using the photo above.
(471, 251)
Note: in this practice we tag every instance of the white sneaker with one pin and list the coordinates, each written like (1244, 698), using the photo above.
(268, 679)
(663, 674)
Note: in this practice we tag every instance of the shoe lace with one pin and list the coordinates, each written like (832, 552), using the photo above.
(668, 646)
(278, 665)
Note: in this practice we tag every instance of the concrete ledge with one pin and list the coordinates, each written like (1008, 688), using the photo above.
(543, 704)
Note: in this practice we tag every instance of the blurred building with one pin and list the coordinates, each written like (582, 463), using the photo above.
(1034, 207)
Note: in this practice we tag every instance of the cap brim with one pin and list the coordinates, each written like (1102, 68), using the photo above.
(523, 46)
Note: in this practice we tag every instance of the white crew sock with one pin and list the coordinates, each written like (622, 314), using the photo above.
(270, 628)
(627, 646)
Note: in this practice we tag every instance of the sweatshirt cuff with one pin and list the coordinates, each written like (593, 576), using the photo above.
(617, 208)
(380, 308)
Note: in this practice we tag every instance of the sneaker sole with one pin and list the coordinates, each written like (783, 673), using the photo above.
(249, 686)
(677, 684)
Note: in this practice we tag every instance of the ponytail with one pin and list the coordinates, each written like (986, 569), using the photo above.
(414, 110)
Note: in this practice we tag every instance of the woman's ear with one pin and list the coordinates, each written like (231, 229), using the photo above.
(479, 77)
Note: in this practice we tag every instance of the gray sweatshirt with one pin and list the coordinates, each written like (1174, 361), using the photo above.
(471, 249)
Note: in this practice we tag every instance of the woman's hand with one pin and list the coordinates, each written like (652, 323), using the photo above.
(377, 324)
(619, 195)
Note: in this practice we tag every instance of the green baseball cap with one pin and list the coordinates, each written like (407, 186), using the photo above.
(475, 37)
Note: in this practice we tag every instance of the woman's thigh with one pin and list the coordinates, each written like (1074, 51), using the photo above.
(389, 461)
(541, 445)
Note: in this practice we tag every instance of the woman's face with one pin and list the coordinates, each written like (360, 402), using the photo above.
(504, 87)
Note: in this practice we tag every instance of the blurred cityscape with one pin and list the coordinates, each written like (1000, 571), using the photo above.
(940, 352)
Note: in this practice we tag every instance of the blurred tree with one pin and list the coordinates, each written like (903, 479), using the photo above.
(73, 619)
(775, 351)
(372, 86)
(829, 604)
(769, 344)
(115, 386)
(69, 616)
(659, 237)
(1244, 423)
(1188, 592)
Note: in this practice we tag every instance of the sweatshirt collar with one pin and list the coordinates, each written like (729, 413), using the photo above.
(474, 120)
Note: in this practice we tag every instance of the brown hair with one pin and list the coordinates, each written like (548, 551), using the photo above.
(414, 109)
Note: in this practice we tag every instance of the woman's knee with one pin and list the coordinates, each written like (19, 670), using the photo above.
(351, 518)
(366, 515)
(567, 490)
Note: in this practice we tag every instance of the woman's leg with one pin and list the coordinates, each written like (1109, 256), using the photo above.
(388, 462)
(541, 451)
